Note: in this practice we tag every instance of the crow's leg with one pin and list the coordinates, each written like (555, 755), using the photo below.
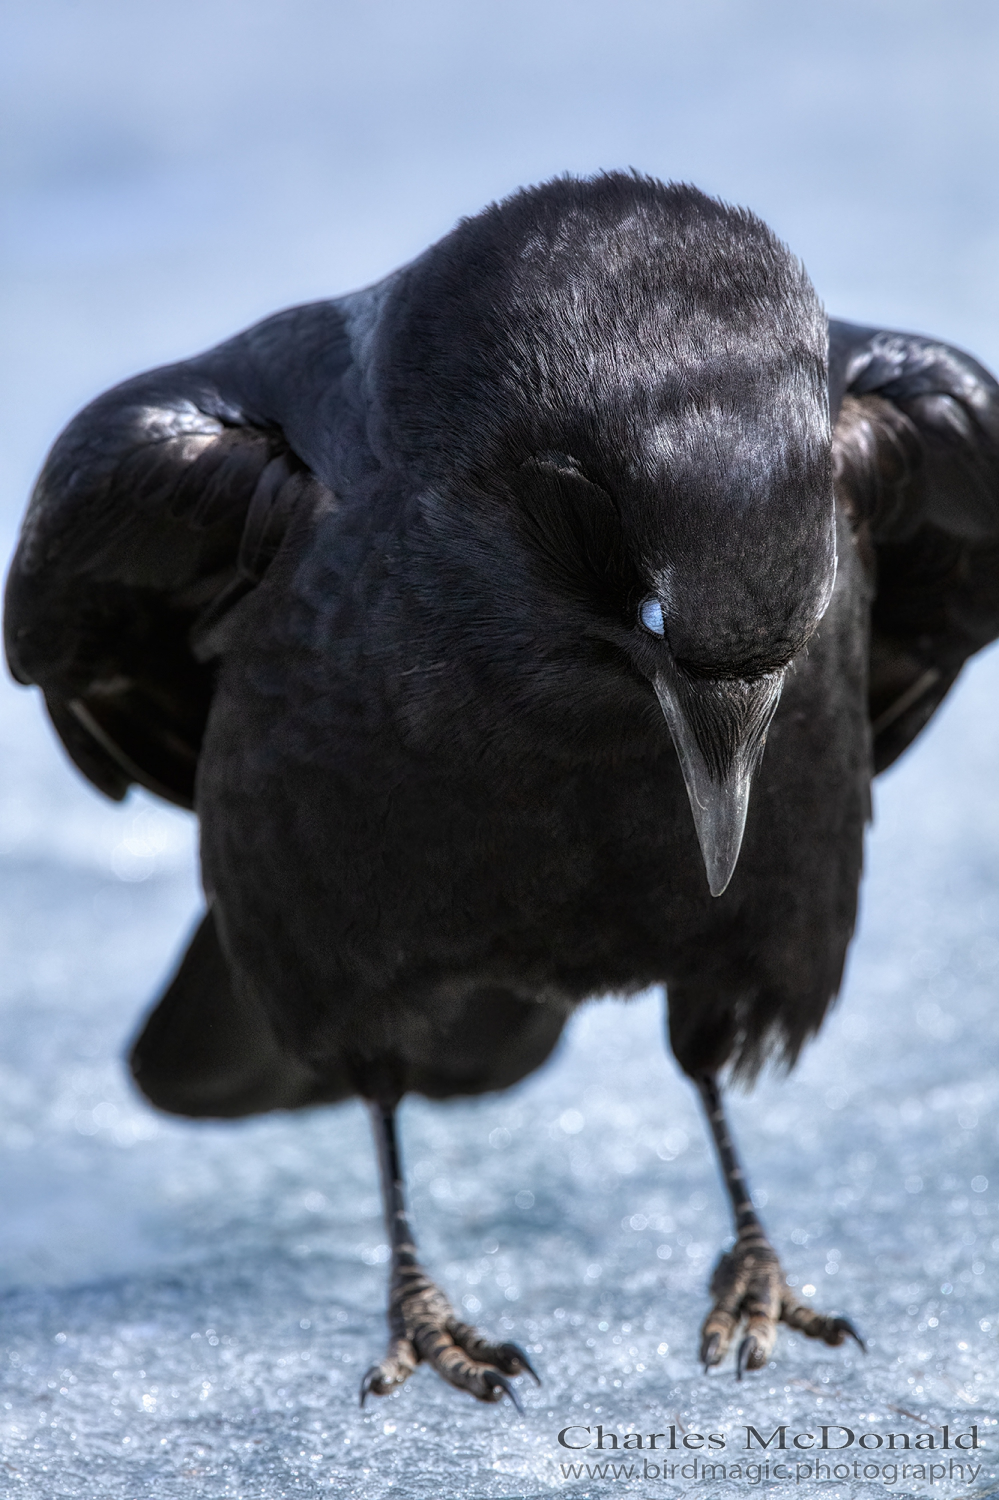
(748, 1283)
(422, 1324)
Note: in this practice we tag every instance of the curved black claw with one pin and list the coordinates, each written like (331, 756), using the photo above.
(516, 1352)
(747, 1349)
(367, 1383)
(843, 1325)
(711, 1351)
(495, 1381)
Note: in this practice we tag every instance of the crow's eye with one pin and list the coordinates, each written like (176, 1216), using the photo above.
(650, 612)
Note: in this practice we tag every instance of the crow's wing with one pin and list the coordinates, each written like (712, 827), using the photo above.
(916, 449)
(160, 506)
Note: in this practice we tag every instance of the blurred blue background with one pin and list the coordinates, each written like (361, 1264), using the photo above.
(187, 1309)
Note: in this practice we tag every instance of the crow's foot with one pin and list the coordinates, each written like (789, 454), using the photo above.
(749, 1286)
(424, 1328)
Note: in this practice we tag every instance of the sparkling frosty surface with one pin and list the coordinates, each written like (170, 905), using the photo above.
(187, 1309)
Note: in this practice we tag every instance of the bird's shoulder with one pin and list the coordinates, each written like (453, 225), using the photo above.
(916, 456)
(160, 506)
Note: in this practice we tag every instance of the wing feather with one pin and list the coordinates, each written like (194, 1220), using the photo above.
(161, 505)
(916, 449)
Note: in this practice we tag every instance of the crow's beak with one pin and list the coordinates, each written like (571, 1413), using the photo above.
(719, 727)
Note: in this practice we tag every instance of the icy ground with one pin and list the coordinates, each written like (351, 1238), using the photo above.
(187, 1309)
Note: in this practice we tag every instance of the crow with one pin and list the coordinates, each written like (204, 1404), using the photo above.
(461, 610)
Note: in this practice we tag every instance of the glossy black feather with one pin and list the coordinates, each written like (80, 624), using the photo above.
(917, 452)
(362, 586)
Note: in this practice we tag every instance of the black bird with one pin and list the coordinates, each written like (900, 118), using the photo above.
(444, 605)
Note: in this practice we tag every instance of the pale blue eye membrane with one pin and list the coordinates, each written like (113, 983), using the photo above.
(650, 612)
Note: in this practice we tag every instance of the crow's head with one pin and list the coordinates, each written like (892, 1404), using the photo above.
(638, 374)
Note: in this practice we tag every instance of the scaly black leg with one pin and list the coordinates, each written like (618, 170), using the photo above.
(748, 1282)
(422, 1324)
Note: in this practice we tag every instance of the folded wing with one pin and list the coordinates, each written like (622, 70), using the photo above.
(160, 506)
(916, 448)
